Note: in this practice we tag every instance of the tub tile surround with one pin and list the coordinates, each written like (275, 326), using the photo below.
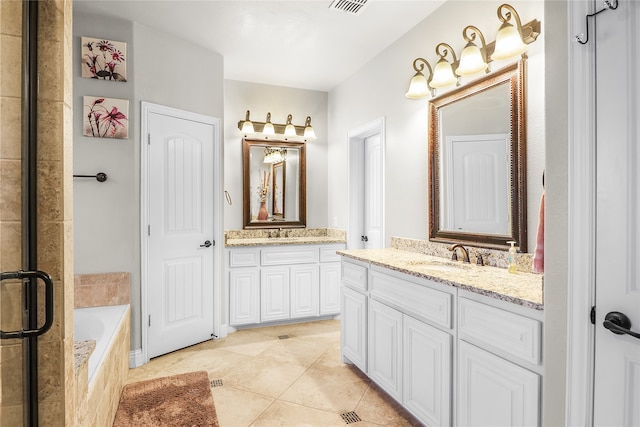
(285, 236)
(96, 290)
(406, 256)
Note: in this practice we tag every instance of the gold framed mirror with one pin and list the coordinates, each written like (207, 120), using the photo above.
(477, 162)
(274, 184)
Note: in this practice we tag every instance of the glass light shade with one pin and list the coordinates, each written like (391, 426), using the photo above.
(418, 88)
(471, 61)
(247, 127)
(443, 75)
(289, 130)
(508, 43)
(309, 132)
(268, 129)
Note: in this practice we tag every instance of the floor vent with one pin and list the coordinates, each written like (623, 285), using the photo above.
(216, 383)
(350, 417)
(283, 337)
(353, 7)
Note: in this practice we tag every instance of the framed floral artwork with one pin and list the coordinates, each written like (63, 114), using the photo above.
(104, 59)
(106, 117)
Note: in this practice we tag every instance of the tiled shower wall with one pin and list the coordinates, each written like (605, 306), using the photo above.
(56, 379)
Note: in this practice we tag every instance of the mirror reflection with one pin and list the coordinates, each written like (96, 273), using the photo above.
(274, 184)
(477, 158)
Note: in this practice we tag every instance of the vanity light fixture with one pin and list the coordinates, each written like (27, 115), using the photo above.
(473, 59)
(308, 130)
(269, 129)
(443, 72)
(247, 126)
(274, 155)
(419, 86)
(509, 41)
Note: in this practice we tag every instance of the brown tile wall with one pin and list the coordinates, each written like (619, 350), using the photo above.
(95, 290)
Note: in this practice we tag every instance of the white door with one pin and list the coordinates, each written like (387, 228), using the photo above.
(617, 357)
(180, 261)
(372, 214)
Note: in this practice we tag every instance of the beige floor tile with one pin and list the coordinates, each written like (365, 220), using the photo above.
(143, 373)
(337, 391)
(300, 352)
(237, 408)
(217, 363)
(264, 376)
(377, 407)
(245, 342)
(289, 414)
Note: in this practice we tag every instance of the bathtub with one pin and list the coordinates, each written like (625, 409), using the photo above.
(99, 324)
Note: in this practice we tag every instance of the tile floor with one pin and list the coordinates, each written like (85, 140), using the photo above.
(296, 381)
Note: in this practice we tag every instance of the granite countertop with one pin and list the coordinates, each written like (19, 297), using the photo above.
(82, 351)
(521, 288)
(274, 241)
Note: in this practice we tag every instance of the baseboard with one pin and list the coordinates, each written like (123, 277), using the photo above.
(136, 358)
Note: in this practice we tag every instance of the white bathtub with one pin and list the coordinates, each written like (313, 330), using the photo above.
(99, 324)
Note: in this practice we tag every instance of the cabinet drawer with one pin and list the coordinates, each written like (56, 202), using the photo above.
(290, 255)
(512, 333)
(354, 275)
(328, 253)
(413, 298)
(244, 257)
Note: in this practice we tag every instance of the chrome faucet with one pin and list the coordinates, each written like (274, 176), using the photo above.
(454, 256)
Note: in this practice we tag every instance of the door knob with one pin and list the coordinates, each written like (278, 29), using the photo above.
(364, 238)
(619, 324)
(207, 243)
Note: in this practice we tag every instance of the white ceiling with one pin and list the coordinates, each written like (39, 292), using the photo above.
(295, 43)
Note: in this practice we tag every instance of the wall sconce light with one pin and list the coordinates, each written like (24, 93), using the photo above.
(473, 59)
(247, 126)
(289, 130)
(308, 130)
(509, 40)
(443, 72)
(267, 129)
(419, 86)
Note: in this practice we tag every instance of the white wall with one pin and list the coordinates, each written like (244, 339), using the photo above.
(378, 90)
(280, 101)
(161, 69)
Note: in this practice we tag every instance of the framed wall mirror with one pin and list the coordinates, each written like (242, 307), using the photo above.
(477, 162)
(274, 184)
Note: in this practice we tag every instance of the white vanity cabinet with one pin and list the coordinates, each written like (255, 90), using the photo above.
(279, 283)
(448, 355)
(499, 363)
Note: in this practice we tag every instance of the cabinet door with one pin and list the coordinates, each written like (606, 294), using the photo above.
(494, 392)
(329, 288)
(274, 294)
(385, 345)
(427, 363)
(244, 296)
(304, 291)
(353, 328)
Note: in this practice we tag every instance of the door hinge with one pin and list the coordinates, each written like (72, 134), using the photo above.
(592, 315)
(214, 242)
(149, 320)
(148, 139)
(148, 230)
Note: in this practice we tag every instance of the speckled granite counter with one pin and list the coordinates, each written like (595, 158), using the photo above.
(292, 236)
(82, 351)
(522, 288)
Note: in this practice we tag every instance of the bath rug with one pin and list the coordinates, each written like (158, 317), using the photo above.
(178, 400)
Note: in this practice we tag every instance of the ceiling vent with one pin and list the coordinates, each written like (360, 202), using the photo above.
(353, 7)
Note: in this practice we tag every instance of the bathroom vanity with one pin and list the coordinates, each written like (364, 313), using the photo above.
(454, 343)
(283, 279)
